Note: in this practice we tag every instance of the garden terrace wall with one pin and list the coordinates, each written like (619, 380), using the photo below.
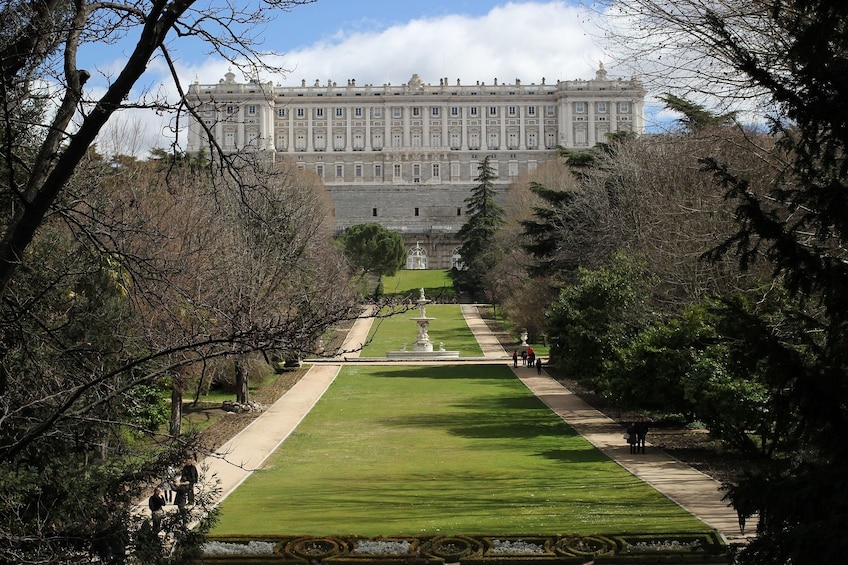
(671, 548)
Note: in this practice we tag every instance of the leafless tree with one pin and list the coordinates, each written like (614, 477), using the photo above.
(673, 46)
(44, 145)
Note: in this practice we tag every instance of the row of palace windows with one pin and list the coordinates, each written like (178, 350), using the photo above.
(474, 140)
(415, 212)
(414, 169)
(435, 111)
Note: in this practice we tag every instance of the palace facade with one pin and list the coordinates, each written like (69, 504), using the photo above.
(406, 156)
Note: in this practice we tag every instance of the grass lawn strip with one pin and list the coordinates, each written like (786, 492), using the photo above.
(441, 450)
(389, 334)
(406, 282)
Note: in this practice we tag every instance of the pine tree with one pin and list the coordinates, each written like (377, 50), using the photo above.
(485, 218)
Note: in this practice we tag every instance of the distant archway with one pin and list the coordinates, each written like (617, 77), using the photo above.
(416, 258)
(456, 260)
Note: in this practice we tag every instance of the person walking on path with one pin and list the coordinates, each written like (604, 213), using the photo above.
(630, 436)
(539, 366)
(169, 484)
(515, 358)
(641, 434)
(189, 475)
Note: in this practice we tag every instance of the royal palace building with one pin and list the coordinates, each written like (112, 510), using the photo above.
(406, 156)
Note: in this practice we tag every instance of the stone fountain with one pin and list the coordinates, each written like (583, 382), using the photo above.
(422, 348)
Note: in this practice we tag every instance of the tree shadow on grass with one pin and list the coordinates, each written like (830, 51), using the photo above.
(495, 371)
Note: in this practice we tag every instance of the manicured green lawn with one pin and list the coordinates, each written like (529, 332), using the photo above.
(446, 449)
(437, 283)
(389, 334)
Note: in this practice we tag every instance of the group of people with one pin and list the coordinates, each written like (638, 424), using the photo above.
(528, 359)
(636, 434)
(179, 492)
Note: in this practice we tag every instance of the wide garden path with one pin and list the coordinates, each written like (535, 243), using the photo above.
(689, 488)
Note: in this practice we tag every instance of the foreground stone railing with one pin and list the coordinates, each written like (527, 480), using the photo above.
(670, 548)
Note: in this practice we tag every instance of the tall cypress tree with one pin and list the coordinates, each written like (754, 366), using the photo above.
(485, 218)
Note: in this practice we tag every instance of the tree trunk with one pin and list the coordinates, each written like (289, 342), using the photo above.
(241, 383)
(176, 424)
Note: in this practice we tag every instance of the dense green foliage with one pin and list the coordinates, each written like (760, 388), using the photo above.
(374, 249)
(594, 316)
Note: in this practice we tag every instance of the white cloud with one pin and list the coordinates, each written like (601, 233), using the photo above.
(516, 40)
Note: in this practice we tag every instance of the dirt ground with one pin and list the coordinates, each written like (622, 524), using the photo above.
(226, 425)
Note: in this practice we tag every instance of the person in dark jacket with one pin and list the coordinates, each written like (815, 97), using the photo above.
(641, 434)
(630, 436)
(156, 503)
(190, 476)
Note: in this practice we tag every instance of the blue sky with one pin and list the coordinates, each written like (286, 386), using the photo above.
(386, 41)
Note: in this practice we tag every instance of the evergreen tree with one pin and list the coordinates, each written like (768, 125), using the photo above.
(374, 249)
(696, 117)
(485, 218)
(794, 55)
